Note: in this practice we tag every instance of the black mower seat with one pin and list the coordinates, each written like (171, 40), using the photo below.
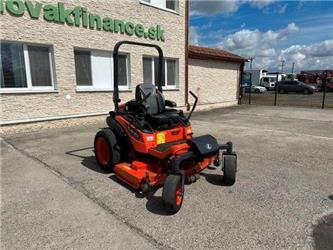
(154, 103)
(151, 98)
(163, 118)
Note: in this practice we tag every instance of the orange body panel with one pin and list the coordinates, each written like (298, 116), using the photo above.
(150, 169)
(147, 141)
(152, 172)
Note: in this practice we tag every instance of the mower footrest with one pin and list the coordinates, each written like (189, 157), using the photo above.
(165, 149)
(132, 177)
(133, 174)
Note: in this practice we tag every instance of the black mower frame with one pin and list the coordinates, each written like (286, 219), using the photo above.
(160, 77)
(175, 164)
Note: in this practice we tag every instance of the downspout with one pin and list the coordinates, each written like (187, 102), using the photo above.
(187, 8)
(239, 93)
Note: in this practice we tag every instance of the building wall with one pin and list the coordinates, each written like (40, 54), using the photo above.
(215, 82)
(64, 39)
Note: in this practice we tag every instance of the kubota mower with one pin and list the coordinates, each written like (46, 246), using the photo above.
(147, 144)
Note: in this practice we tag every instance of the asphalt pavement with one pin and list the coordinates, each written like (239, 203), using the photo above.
(55, 196)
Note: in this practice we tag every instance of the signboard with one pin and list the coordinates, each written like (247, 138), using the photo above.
(79, 17)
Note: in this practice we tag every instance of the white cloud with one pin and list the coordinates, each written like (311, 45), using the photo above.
(282, 8)
(194, 36)
(254, 42)
(262, 45)
(300, 5)
(322, 49)
(212, 7)
(265, 46)
(201, 7)
(291, 28)
(260, 3)
(266, 53)
(314, 56)
(244, 39)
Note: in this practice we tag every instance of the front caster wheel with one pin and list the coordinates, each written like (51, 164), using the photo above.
(173, 193)
(145, 187)
(229, 169)
(217, 162)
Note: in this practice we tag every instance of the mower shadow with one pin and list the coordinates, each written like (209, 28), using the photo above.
(215, 179)
(87, 161)
(128, 187)
(90, 163)
(154, 203)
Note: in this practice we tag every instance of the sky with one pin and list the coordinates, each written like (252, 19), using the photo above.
(268, 30)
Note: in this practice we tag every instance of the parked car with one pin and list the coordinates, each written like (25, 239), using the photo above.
(284, 87)
(254, 89)
(329, 84)
(258, 89)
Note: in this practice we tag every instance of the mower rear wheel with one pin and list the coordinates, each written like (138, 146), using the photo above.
(229, 169)
(173, 193)
(106, 150)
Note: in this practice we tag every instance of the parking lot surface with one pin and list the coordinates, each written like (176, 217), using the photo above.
(54, 195)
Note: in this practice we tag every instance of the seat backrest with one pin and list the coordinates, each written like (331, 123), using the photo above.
(155, 103)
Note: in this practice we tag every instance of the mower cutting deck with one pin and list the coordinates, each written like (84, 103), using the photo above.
(147, 144)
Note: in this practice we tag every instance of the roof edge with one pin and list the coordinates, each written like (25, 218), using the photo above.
(203, 53)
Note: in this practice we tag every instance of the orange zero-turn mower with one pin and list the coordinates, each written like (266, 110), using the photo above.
(149, 143)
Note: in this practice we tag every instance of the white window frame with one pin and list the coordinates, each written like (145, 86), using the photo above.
(29, 87)
(93, 88)
(163, 7)
(176, 86)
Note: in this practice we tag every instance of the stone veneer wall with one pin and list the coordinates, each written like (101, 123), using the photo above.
(64, 39)
(215, 82)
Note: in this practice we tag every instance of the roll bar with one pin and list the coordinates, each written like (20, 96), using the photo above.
(160, 77)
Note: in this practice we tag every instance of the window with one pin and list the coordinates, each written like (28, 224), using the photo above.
(147, 70)
(122, 71)
(150, 71)
(265, 79)
(83, 68)
(40, 66)
(289, 82)
(164, 4)
(26, 67)
(170, 72)
(94, 70)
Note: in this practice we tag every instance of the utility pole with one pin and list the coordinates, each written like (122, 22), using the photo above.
(251, 60)
(293, 68)
(282, 65)
(324, 91)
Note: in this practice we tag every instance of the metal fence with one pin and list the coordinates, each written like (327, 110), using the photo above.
(321, 98)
